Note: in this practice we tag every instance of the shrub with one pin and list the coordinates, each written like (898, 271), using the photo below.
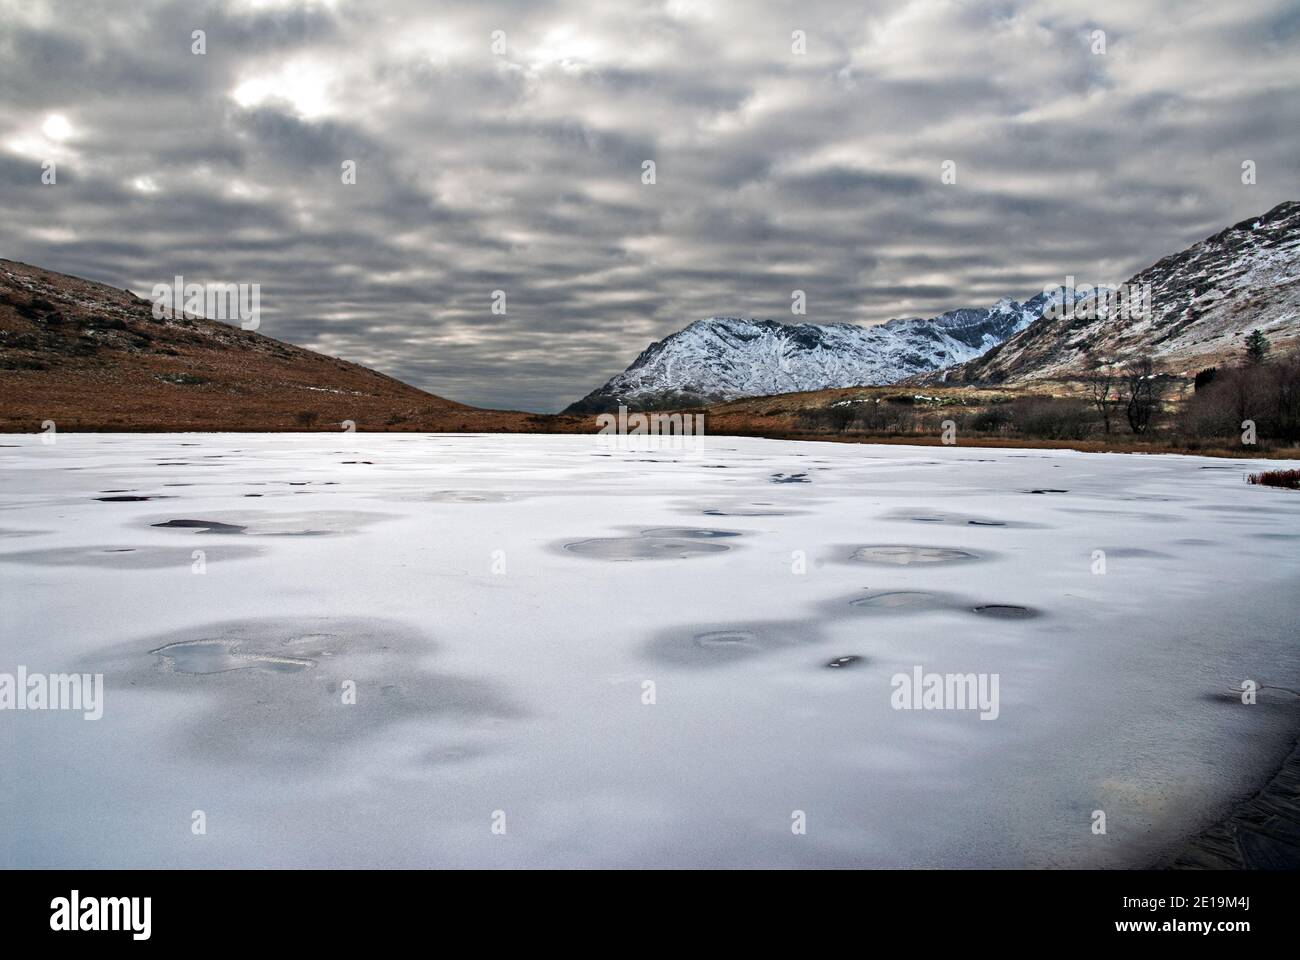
(840, 417)
(1050, 418)
(1290, 479)
(1267, 392)
(836, 419)
(992, 420)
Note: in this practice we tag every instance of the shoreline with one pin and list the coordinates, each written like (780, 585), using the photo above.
(1261, 832)
(1280, 454)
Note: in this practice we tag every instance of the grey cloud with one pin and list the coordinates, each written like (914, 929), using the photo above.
(522, 172)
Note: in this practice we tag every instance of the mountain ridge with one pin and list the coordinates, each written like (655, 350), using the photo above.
(718, 358)
(1205, 299)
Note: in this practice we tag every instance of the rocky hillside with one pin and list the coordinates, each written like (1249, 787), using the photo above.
(1204, 301)
(724, 358)
(92, 357)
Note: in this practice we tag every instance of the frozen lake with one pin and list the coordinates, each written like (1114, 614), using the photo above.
(563, 654)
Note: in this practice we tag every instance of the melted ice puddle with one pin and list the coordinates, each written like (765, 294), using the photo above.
(222, 656)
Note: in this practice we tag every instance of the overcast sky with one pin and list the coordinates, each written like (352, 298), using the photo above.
(521, 170)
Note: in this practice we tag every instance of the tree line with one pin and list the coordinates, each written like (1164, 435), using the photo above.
(1254, 399)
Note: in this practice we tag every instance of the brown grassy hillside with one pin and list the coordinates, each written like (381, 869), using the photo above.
(92, 357)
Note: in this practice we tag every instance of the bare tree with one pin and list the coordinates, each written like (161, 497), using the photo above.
(1245, 391)
(1104, 394)
(1144, 390)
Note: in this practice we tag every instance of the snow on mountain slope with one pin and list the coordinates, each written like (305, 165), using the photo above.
(722, 358)
(1204, 301)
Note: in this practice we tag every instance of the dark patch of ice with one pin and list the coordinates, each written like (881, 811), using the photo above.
(643, 548)
(202, 657)
(688, 533)
(203, 526)
(714, 646)
(745, 512)
(1134, 553)
(265, 524)
(126, 558)
(283, 710)
(840, 662)
(908, 554)
(901, 601)
(1005, 611)
(467, 496)
(957, 519)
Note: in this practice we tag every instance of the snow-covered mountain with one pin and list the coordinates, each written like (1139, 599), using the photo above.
(723, 358)
(1204, 301)
(1200, 305)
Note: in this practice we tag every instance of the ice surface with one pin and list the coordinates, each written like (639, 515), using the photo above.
(494, 670)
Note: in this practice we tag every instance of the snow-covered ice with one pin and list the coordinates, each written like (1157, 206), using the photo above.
(505, 606)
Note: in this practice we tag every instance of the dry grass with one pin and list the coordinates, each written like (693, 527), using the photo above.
(1290, 479)
(93, 358)
(924, 409)
(1116, 444)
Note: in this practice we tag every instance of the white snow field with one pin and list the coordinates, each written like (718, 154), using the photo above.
(473, 595)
